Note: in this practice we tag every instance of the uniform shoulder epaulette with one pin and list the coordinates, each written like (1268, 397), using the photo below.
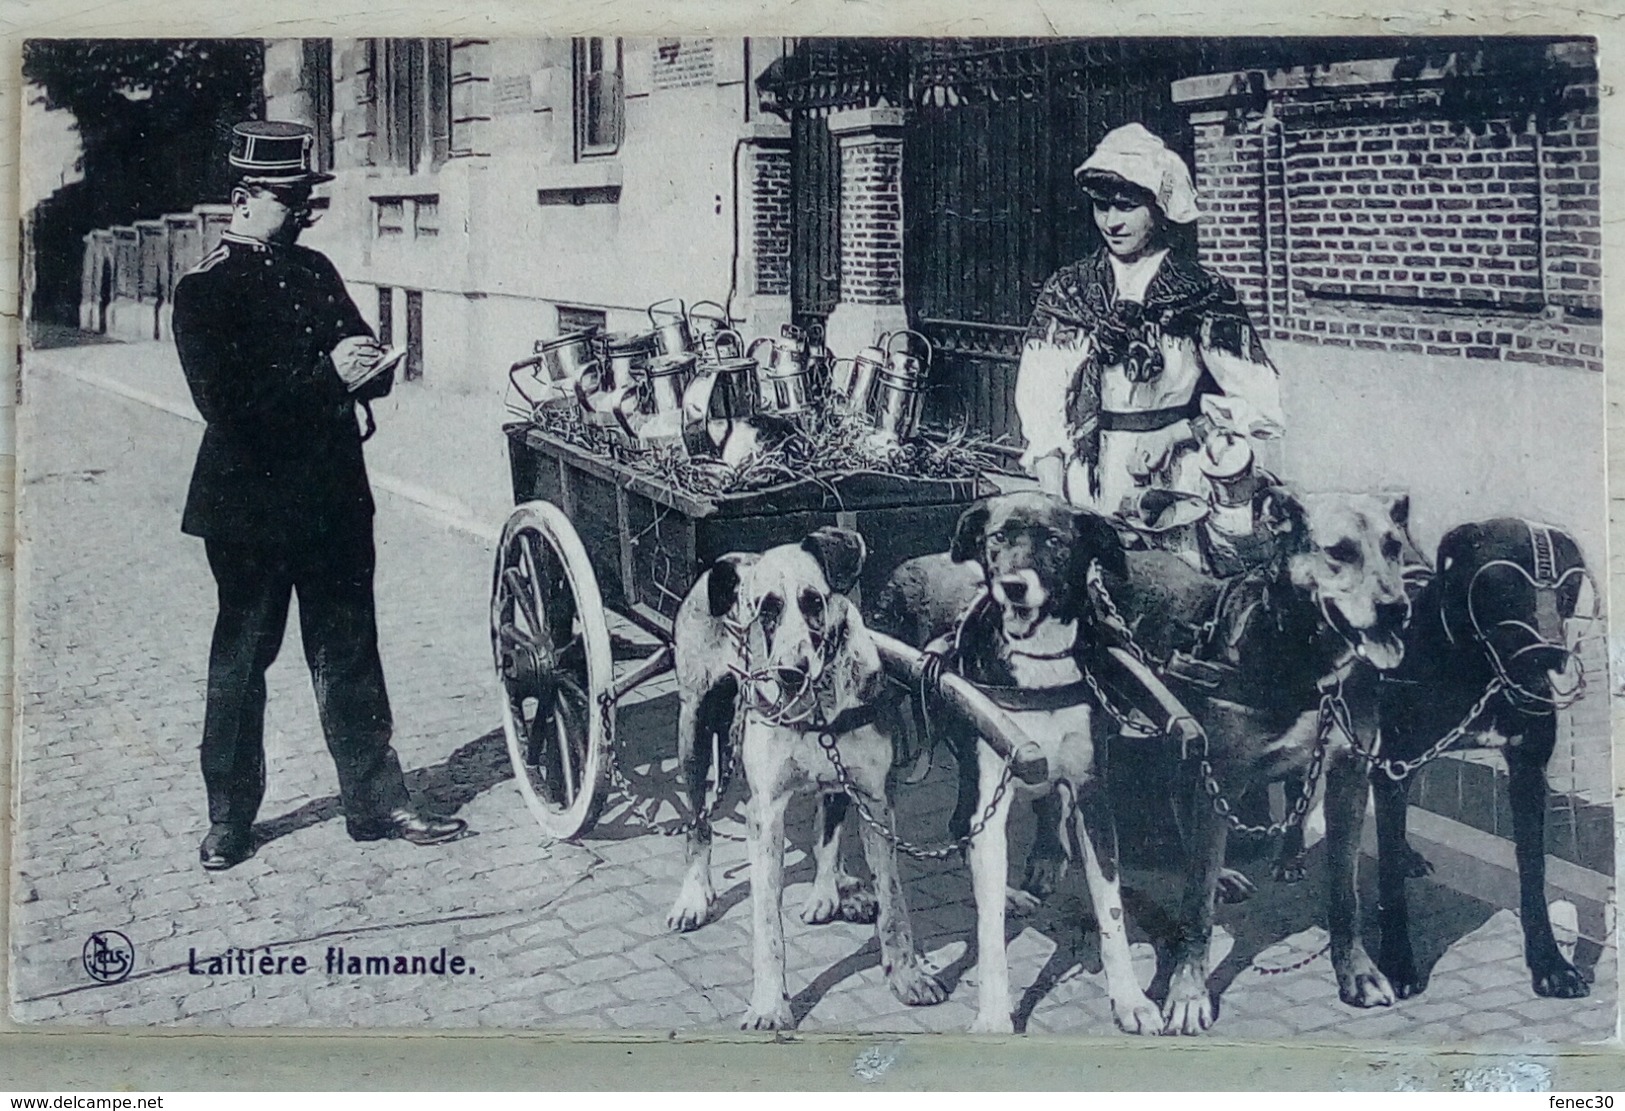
(212, 259)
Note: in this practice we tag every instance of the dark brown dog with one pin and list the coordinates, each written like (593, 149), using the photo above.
(1273, 643)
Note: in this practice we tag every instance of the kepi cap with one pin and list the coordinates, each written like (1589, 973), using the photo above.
(275, 152)
(1132, 154)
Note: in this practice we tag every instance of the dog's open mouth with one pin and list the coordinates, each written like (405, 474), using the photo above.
(1382, 648)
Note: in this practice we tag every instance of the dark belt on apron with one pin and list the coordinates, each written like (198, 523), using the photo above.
(1148, 420)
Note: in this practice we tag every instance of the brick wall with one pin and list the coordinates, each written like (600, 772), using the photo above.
(871, 219)
(1443, 210)
(770, 218)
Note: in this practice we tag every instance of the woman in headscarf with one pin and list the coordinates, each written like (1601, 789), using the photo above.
(1125, 345)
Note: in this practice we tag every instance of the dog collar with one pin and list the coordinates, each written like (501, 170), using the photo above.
(1064, 654)
(1039, 698)
(846, 721)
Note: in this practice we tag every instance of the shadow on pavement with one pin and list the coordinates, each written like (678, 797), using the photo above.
(443, 788)
(45, 337)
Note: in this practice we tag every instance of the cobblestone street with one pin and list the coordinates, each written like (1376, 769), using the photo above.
(116, 608)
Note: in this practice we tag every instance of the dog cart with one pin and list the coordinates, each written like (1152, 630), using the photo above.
(591, 536)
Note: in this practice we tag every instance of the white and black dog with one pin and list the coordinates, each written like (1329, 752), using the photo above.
(1034, 643)
(773, 638)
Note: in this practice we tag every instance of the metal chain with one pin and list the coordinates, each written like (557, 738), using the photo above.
(1295, 965)
(619, 782)
(1114, 617)
(725, 776)
(1306, 795)
(1399, 770)
(827, 741)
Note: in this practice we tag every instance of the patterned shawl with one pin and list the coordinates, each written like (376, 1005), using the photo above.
(1183, 300)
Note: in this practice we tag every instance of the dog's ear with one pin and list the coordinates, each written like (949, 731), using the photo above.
(967, 543)
(1399, 509)
(840, 552)
(722, 584)
(1097, 541)
(1459, 547)
(1279, 510)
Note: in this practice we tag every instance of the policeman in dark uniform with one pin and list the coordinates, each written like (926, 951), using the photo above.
(277, 356)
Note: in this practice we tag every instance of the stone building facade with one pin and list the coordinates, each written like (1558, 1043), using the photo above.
(489, 194)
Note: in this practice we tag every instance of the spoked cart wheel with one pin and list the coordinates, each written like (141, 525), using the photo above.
(553, 663)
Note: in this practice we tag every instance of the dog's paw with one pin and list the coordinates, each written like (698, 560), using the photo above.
(1406, 980)
(1018, 900)
(1043, 876)
(1415, 865)
(1290, 869)
(1361, 984)
(1233, 886)
(775, 1017)
(993, 1024)
(858, 903)
(916, 987)
(1137, 1015)
(1560, 981)
(820, 907)
(1188, 1009)
(692, 909)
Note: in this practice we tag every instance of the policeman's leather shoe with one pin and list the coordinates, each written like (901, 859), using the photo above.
(225, 847)
(409, 825)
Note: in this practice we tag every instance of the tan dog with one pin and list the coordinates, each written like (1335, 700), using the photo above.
(774, 638)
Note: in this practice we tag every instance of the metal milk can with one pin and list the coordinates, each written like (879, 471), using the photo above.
(626, 354)
(818, 366)
(723, 397)
(673, 334)
(784, 379)
(899, 392)
(552, 371)
(852, 381)
(705, 327)
(653, 410)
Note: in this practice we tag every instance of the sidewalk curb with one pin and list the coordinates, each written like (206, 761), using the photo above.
(444, 510)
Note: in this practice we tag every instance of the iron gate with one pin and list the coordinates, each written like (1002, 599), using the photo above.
(994, 131)
(995, 128)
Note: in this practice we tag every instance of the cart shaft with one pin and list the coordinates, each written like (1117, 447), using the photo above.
(658, 664)
(998, 730)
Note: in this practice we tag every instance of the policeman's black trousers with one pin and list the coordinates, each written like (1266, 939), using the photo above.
(332, 577)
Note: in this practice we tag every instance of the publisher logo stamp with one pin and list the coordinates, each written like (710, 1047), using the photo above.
(108, 956)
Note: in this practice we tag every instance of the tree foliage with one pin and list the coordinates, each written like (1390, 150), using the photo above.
(155, 118)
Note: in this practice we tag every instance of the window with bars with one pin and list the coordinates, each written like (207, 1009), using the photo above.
(390, 218)
(415, 217)
(600, 98)
(404, 87)
(573, 319)
(386, 315)
(316, 78)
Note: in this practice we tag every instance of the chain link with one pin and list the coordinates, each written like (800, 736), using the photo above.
(619, 782)
(1295, 965)
(725, 775)
(1306, 794)
(831, 746)
(1399, 770)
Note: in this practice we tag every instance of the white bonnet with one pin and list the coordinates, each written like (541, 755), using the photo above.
(1133, 154)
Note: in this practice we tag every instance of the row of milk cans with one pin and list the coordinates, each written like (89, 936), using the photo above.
(692, 379)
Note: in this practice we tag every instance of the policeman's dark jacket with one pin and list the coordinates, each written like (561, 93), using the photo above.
(281, 457)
